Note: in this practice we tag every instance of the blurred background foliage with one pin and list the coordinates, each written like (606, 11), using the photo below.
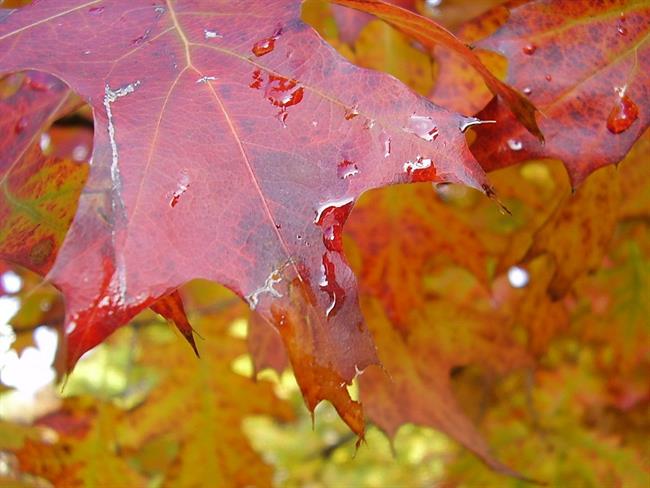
(455, 290)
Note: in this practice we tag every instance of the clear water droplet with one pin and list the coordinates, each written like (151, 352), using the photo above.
(548, 78)
(385, 141)
(211, 34)
(528, 90)
(96, 10)
(183, 186)
(346, 168)
(351, 112)
(529, 49)
(369, 124)
(515, 145)
(330, 286)
(279, 91)
(423, 127)
(330, 217)
(623, 114)
(266, 45)
(420, 163)
(518, 277)
(468, 122)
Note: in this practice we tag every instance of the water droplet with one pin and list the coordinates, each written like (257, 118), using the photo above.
(139, 40)
(211, 34)
(331, 216)
(278, 226)
(21, 125)
(351, 112)
(86, 52)
(183, 185)
(528, 90)
(420, 163)
(330, 286)
(423, 127)
(515, 145)
(159, 10)
(529, 49)
(622, 30)
(622, 115)
(548, 77)
(265, 46)
(96, 10)
(346, 168)
(279, 91)
(369, 124)
(385, 140)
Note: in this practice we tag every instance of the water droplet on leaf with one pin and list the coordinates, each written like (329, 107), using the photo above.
(515, 145)
(351, 112)
(423, 127)
(265, 46)
(183, 185)
(96, 10)
(385, 140)
(211, 34)
(330, 286)
(346, 168)
(529, 49)
(548, 77)
(21, 125)
(279, 91)
(622, 115)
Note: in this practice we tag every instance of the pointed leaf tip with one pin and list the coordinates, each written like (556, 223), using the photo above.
(171, 308)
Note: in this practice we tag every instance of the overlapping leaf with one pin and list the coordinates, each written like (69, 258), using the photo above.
(585, 65)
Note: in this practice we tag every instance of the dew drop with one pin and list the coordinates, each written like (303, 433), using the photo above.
(548, 77)
(369, 124)
(622, 115)
(45, 142)
(622, 30)
(330, 286)
(139, 40)
(21, 125)
(279, 91)
(385, 140)
(346, 168)
(351, 112)
(330, 217)
(183, 186)
(528, 90)
(515, 145)
(266, 45)
(423, 127)
(466, 123)
(529, 49)
(210, 34)
(420, 163)
(96, 10)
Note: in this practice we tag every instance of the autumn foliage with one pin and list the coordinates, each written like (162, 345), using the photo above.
(445, 230)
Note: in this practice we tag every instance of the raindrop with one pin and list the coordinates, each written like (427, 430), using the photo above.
(346, 168)
(21, 125)
(369, 124)
(279, 91)
(529, 49)
(278, 226)
(423, 127)
(528, 90)
(518, 277)
(351, 112)
(419, 163)
(330, 286)
(139, 40)
(183, 185)
(548, 77)
(331, 216)
(210, 34)
(265, 46)
(515, 145)
(385, 141)
(86, 52)
(159, 10)
(433, 3)
(621, 30)
(623, 114)
(96, 10)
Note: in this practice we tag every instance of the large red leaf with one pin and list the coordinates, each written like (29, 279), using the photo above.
(586, 66)
(228, 147)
